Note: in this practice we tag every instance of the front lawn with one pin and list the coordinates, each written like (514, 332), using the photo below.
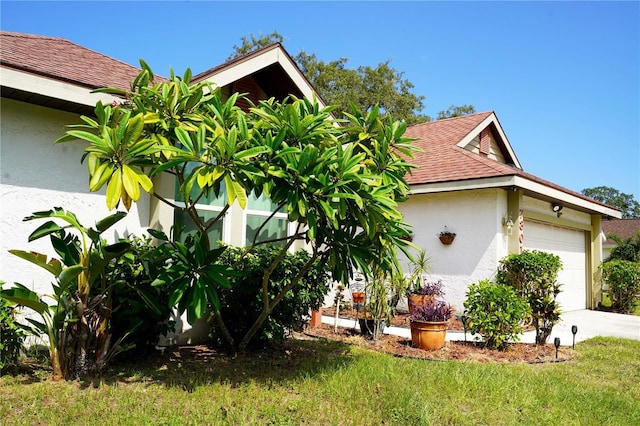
(327, 382)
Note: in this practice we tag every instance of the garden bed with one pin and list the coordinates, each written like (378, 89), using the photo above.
(452, 351)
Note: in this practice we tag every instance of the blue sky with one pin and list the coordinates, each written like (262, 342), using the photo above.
(562, 77)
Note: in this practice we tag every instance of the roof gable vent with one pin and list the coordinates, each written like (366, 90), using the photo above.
(485, 141)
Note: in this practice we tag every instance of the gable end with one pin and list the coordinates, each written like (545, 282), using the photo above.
(486, 145)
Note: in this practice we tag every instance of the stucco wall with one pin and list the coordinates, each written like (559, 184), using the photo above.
(476, 218)
(36, 175)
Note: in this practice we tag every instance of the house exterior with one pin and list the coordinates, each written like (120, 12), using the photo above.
(470, 182)
(46, 85)
(622, 228)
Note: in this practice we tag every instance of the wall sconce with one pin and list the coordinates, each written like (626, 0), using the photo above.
(557, 208)
(508, 224)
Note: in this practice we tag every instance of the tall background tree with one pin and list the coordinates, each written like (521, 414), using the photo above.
(365, 86)
(629, 207)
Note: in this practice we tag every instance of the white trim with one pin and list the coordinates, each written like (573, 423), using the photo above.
(575, 201)
(516, 182)
(251, 65)
(31, 83)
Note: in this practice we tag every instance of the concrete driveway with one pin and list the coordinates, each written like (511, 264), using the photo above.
(595, 323)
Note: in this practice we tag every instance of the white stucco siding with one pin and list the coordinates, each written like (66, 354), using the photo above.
(36, 175)
(476, 218)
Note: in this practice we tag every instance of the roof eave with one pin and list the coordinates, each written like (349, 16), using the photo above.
(50, 88)
(530, 187)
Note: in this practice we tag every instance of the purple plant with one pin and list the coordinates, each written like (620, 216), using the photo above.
(433, 312)
(431, 289)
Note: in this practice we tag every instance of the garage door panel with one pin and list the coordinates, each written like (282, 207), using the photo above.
(570, 246)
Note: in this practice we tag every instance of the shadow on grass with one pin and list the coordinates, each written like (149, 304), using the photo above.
(188, 367)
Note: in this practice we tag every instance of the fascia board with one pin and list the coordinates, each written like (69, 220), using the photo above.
(242, 69)
(462, 185)
(516, 182)
(31, 83)
(565, 198)
(483, 125)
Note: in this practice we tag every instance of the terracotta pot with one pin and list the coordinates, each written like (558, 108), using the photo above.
(316, 318)
(357, 296)
(419, 299)
(428, 335)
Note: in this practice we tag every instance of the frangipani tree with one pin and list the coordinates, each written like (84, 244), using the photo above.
(339, 181)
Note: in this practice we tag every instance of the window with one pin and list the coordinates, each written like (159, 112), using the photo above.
(258, 210)
(249, 221)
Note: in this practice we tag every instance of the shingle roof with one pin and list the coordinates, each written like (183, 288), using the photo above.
(623, 228)
(63, 60)
(443, 160)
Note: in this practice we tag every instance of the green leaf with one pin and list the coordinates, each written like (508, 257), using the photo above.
(184, 139)
(107, 222)
(54, 266)
(24, 297)
(45, 229)
(69, 274)
(158, 234)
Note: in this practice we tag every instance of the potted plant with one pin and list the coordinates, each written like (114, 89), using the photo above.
(378, 309)
(446, 237)
(425, 294)
(429, 325)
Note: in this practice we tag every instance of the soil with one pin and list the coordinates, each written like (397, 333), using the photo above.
(453, 350)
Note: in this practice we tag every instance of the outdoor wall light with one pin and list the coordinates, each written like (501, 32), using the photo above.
(508, 224)
(556, 343)
(557, 208)
(574, 331)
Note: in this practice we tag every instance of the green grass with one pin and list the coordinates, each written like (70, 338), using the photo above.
(330, 383)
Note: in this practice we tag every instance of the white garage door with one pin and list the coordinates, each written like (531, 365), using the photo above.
(570, 245)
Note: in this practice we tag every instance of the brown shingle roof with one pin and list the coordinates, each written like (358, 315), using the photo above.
(623, 228)
(443, 160)
(63, 60)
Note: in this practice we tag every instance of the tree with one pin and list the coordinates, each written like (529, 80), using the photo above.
(629, 207)
(456, 111)
(252, 43)
(339, 85)
(339, 185)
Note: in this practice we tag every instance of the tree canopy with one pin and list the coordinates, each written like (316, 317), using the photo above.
(339, 185)
(626, 203)
(364, 86)
(456, 111)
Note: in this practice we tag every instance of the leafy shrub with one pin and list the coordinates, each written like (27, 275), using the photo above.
(496, 312)
(623, 279)
(12, 335)
(140, 311)
(242, 303)
(534, 275)
(628, 249)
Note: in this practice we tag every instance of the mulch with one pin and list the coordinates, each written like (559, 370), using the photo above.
(452, 351)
